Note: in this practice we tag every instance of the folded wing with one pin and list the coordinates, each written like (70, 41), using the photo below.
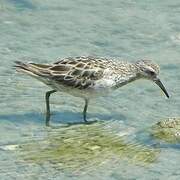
(78, 73)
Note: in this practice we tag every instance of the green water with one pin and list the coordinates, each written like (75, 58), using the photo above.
(118, 145)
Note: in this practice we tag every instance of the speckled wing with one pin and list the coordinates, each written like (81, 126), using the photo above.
(78, 72)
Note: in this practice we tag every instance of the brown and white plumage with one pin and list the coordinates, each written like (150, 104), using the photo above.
(81, 73)
(90, 76)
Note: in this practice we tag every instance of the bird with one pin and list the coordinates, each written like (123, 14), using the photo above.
(89, 77)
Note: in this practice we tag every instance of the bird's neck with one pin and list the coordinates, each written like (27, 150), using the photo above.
(126, 74)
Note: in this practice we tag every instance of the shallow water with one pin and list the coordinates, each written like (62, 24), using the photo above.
(42, 31)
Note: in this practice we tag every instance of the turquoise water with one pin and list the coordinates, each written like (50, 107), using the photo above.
(42, 31)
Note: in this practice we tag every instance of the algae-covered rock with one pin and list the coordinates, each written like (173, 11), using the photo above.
(82, 146)
(167, 130)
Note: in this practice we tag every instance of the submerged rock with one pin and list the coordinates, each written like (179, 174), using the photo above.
(85, 146)
(167, 130)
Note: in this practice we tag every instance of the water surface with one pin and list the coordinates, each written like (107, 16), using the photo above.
(42, 31)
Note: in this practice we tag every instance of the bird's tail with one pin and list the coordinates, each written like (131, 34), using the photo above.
(32, 69)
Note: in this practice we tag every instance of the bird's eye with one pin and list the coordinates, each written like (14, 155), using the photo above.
(152, 73)
(149, 72)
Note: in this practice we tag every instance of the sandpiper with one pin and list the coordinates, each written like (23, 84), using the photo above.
(89, 77)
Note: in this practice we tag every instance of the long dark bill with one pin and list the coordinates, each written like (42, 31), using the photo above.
(159, 83)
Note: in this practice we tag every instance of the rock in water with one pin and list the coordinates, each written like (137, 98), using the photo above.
(167, 130)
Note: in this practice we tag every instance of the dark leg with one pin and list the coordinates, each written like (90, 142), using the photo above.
(48, 114)
(85, 110)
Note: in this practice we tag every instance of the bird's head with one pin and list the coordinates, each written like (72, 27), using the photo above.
(149, 70)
